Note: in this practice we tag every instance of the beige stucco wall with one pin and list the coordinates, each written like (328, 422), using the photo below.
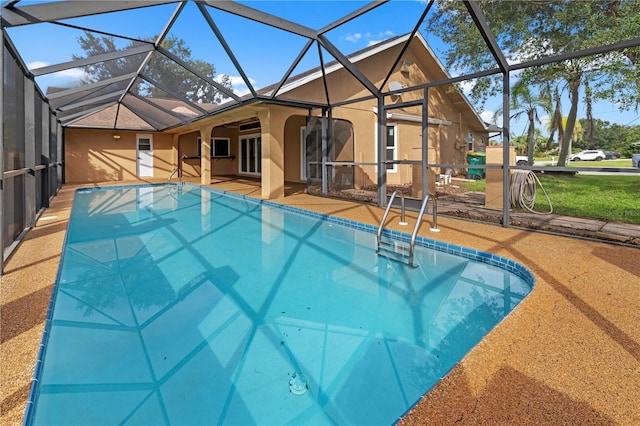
(95, 156)
(447, 142)
(188, 147)
(292, 167)
(104, 158)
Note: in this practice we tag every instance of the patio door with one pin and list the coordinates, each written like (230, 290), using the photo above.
(144, 151)
(311, 150)
(251, 154)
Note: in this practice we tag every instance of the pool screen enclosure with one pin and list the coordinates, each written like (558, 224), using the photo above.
(35, 110)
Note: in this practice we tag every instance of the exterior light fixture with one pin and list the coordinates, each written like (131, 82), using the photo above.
(116, 137)
(405, 66)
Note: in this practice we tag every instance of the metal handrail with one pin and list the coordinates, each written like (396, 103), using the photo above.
(176, 170)
(419, 222)
(384, 218)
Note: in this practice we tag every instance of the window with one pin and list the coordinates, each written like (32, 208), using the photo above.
(391, 147)
(249, 126)
(219, 147)
(470, 141)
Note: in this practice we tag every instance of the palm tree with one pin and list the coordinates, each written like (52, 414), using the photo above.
(556, 124)
(523, 102)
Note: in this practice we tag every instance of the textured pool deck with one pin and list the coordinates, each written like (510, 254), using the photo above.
(568, 354)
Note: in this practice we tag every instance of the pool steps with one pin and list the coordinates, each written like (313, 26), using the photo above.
(397, 249)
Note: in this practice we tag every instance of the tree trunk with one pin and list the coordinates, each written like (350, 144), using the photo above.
(531, 140)
(588, 101)
(556, 122)
(574, 85)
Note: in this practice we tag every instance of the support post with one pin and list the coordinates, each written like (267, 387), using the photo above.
(1, 153)
(29, 152)
(506, 172)
(325, 174)
(382, 153)
(425, 142)
(205, 154)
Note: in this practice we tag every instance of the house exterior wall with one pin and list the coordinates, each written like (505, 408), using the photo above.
(292, 147)
(104, 158)
(188, 147)
(447, 142)
(95, 156)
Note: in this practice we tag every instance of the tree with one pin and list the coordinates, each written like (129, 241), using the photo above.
(576, 139)
(530, 30)
(556, 124)
(524, 102)
(523, 146)
(611, 136)
(160, 68)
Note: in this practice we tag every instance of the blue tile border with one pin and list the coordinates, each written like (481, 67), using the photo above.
(472, 254)
(468, 253)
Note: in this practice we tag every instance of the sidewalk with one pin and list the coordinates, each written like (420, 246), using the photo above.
(471, 206)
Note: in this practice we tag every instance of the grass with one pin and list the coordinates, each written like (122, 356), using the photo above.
(476, 185)
(611, 198)
(618, 162)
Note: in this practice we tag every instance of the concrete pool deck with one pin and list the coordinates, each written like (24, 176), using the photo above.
(568, 354)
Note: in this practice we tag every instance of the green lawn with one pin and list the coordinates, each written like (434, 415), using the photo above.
(618, 162)
(613, 198)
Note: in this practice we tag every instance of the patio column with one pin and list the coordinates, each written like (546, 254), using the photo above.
(272, 145)
(205, 154)
(175, 154)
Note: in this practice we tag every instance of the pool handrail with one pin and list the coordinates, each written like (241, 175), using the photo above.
(176, 170)
(384, 218)
(419, 221)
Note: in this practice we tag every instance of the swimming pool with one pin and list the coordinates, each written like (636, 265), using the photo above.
(185, 305)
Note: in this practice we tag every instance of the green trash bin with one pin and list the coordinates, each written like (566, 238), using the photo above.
(474, 159)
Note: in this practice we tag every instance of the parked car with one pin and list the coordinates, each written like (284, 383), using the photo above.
(611, 155)
(591, 155)
(635, 160)
(522, 160)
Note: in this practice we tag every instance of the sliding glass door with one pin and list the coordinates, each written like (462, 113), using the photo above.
(250, 155)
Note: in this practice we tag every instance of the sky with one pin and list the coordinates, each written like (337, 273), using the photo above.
(265, 53)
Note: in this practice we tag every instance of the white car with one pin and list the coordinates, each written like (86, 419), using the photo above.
(591, 155)
(522, 160)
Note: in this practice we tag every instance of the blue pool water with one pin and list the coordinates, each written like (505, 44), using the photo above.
(183, 305)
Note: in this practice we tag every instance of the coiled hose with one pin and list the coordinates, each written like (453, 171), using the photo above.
(523, 191)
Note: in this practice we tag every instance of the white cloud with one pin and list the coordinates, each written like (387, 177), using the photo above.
(353, 37)
(489, 116)
(467, 86)
(68, 74)
(238, 85)
(36, 64)
(370, 38)
(386, 34)
(74, 73)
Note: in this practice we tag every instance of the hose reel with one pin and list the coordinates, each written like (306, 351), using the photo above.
(523, 191)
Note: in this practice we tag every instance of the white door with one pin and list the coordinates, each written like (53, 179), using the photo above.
(145, 155)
